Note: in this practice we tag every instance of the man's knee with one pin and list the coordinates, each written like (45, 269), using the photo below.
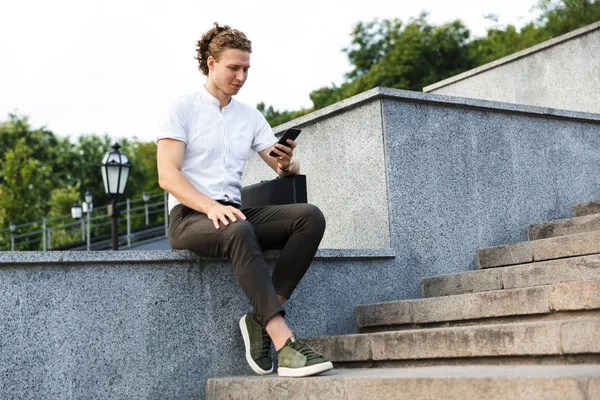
(314, 216)
(240, 229)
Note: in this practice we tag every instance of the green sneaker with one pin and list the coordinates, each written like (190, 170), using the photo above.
(258, 344)
(297, 359)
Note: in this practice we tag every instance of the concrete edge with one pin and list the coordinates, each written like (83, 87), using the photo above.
(500, 295)
(465, 102)
(551, 298)
(434, 99)
(564, 226)
(586, 208)
(156, 256)
(340, 106)
(513, 57)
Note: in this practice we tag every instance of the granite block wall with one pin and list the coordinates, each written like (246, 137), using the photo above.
(151, 325)
(342, 156)
(466, 174)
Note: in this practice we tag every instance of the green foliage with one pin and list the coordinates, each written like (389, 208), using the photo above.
(275, 117)
(410, 56)
(369, 44)
(417, 54)
(23, 181)
(326, 96)
(61, 200)
(86, 155)
(560, 17)
(41, 175)
(502, 42)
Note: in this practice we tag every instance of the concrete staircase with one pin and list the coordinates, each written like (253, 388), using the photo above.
(526, 325)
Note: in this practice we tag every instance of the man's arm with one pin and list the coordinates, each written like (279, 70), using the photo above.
(169, 158)
(283, 162)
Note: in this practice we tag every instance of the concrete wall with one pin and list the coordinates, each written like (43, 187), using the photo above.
(150, 325)
(561, 73)
(341, 151)
(460, 174)
(465, 174)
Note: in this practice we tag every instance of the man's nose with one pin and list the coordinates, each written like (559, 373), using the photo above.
(241, 76)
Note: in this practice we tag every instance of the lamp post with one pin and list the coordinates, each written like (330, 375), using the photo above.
(76, 213)
(115, 171)
(146, 198)
(88, 206)
(12, 227)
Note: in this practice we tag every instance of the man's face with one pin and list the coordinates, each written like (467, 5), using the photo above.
(229, 73)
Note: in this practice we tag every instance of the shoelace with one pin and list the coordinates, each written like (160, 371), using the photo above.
(266, 341)
(305, 350)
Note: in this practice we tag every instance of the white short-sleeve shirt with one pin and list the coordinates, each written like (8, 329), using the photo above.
(217, 142)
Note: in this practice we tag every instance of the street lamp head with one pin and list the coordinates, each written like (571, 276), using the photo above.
(76, 211)
(115, 171)
(88, 196)
(146, 197)
(87, 205)
(12, 226)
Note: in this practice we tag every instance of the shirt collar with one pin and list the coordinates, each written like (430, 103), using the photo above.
(213, 100)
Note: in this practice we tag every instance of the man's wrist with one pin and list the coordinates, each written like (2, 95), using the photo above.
(289, 167)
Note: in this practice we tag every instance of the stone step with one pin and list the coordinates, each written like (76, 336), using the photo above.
(497, 344)
(490, 382)
(564, 227)
(586, 268)
(537, 303)
(538, 250)
(587, 208)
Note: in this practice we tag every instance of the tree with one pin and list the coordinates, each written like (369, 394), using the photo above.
(23, 181)
(560, 17)
(327, 95)
(390, 54)
(41, 175)
(411, 56)
(275, 117)
(86, 156)
(369, 44)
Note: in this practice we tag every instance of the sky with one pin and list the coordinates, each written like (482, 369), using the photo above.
(113, 66)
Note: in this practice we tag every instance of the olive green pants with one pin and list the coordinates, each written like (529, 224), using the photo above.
(296, 229)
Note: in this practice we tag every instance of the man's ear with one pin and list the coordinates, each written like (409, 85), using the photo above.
(210, 62)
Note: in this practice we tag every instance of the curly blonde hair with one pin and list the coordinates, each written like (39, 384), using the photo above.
(218, 39)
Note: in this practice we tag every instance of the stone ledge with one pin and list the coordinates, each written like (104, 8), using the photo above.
(553, 338)
(155, 256)
(491, 382)
(564, 227)
(585, 268)
(500, 256)
(574, 245)
(480, 307)
(587, 208)
(434, 99)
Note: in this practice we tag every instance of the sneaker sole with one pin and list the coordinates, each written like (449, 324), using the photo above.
(305, 371)
(255, 367)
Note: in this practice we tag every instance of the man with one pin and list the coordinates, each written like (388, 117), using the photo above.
(203, 143)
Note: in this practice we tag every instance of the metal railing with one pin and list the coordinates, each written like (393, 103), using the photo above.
(138, 220)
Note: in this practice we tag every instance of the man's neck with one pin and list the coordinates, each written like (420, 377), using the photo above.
(218, 94)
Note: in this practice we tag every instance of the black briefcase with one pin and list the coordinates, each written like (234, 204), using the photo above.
(286, 190)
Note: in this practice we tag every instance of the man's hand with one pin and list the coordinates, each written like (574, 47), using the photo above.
(218, 212)
(285, 153)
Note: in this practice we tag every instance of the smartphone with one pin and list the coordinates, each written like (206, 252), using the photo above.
(290, 133)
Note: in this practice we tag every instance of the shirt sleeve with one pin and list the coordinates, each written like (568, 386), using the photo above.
(263, 134)
(173, 124)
